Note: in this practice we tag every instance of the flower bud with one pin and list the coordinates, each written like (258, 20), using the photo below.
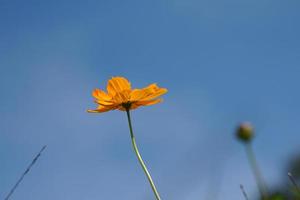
(245, 132)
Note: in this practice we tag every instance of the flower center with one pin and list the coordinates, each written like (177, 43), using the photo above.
(126, 105)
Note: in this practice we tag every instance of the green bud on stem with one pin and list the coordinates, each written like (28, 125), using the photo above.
(245, 132)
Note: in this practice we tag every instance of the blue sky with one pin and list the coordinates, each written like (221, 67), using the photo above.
(223, 62)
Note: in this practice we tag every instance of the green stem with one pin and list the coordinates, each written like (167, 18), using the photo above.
(294, 182)
(256, 171)
(139, 157)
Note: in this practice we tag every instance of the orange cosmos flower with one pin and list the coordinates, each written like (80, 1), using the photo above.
(120, 96)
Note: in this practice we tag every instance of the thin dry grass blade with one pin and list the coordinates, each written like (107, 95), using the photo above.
(244, 192)
(25, 172)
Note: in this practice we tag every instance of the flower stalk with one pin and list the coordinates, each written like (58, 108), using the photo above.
(293, 181)
(244, 192)
(33, 162)
(256, 171)
(139, 157)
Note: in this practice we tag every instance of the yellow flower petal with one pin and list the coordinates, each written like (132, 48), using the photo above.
(153, 87)
(121, 97)
(102, 109)
(117, 84)
(99, 94)
(158, 92)
(104, 103)
(134, 106)
(149, 102)
(137, 94)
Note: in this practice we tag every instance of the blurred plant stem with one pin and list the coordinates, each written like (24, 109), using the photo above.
(244, 192)
(256, 171)
(140, 158)
(24, 173)
(293, 181)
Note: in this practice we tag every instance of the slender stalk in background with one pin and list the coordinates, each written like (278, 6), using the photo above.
(140, 158)
(245, 134)
(291, 177)
(244, 192)
(25, 172)
(256, 171)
